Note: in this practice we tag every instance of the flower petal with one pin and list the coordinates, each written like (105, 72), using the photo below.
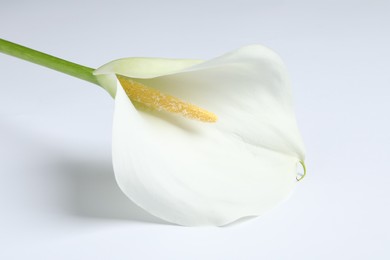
(193, 173)
(139, 68)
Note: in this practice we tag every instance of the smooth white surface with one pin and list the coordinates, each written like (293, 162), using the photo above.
(58, 196)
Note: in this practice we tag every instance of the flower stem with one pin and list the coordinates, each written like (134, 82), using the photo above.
(48, 61)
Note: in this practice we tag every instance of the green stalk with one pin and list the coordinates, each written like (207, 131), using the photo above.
(67, 67)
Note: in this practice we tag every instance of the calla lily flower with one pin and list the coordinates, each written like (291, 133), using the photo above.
(197, 142)
(240, 161)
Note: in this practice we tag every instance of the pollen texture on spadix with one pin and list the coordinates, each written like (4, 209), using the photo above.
(154, 99)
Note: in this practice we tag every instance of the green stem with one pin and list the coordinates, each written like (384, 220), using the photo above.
(48, 61)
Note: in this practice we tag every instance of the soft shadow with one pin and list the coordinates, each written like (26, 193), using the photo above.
(172, 119)
(77, 183)
(240, 221)
(94, 193)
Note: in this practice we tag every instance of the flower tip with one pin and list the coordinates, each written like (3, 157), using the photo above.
(213, 118)
(202, 115)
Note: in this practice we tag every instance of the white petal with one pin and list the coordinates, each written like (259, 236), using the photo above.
(139, 68)
(193, 173)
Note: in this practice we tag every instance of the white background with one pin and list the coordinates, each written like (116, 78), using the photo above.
(58, 196)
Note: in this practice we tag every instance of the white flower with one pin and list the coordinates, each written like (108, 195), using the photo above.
(194, 173)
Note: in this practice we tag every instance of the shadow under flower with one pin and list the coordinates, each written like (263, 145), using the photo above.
(64, 178)
(94, 193)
